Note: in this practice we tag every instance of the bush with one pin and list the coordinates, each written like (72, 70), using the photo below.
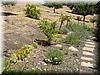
(72, 39)
(48, 28)
(32, 11)
(9, 2)
(54, 56)
(81, 30)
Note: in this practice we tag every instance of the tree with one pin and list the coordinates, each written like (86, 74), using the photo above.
(54, 5)
(84, 9)
(63, 18)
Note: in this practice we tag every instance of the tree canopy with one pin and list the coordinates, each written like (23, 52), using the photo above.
(84, 9)
(54, 5)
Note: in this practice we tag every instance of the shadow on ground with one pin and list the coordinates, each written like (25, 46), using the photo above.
(7, 13)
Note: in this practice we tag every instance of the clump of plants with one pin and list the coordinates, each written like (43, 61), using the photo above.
(32, 11)
(22, 53)
(54, 56)
(48, 28)
(81, 31)
(72, 39)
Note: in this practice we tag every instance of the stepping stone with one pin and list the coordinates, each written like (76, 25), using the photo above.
(92, 43)
(88, 64)
(88, 40)
(87, 58)
(88, 49)
(87, 53)
(89, 45)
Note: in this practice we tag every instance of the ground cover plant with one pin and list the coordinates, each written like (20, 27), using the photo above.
(78, 33)
(54, 56)
(72, 39)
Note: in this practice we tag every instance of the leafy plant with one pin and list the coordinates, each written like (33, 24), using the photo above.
(21, 53)
(82, 31)
(32, 11)
(48, 29)
(54, 56)
(72, 39)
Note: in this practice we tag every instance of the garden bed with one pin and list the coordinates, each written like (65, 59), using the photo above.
(23, 30)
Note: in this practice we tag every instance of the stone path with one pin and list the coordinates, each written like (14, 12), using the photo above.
(87, 58)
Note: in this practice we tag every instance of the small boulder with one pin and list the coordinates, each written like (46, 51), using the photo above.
(58, 46)
(73, 48)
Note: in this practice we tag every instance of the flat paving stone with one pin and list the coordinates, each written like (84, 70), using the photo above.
(87, 53)
(88, 49)
(86, 58)
(86, 64)
(90, 45)
(88, 40)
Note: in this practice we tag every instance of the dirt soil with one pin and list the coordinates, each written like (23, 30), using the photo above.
(20, 30)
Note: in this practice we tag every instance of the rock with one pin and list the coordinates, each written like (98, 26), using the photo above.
(58, 45)
(86, 64)
(43, 63)
(73, 48)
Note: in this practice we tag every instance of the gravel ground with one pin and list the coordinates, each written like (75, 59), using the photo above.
(20, 30)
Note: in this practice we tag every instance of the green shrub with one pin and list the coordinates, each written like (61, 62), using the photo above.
(54, 56)
(32, 11)
(72, 39)
(48, 28)
(81, 30)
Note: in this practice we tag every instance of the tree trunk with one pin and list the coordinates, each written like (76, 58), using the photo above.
(60, 25)
(54, 10)
(83, 19)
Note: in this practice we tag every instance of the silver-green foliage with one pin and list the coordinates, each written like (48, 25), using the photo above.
(54, 56)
